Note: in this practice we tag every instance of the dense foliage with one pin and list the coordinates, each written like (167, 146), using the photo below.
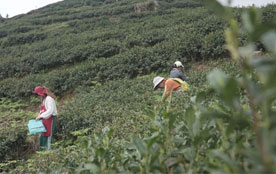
(117, 101)
(225, 124)
(14, 142)
(227, 129)
(49, 43)
(100, 38)
(118, 104)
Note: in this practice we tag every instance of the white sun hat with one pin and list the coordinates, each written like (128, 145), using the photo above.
(178, 64)
(156, 81)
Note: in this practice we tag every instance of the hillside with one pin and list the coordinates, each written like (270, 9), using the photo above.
(100, 56)
(74, 42)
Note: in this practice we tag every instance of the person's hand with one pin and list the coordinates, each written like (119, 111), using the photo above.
(38, 117)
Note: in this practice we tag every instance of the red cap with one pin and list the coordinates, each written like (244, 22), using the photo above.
(39, 91)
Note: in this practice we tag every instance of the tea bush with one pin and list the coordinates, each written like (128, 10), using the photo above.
(119, 100)
(226, 127)
(36, 45)
(31, 49)
(13, 130)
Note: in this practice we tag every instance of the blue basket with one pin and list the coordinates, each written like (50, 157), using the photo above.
(36, 126)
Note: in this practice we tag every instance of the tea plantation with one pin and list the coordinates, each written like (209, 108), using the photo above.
(100, 56)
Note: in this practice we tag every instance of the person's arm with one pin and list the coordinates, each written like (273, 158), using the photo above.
(50, 103)
(167, 91)
(181, 76)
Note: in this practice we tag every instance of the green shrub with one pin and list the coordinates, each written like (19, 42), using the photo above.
(86, 32)
(22, 39)
(13, 130)
(227, 127)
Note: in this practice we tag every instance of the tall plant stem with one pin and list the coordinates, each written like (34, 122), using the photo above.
(260, 144)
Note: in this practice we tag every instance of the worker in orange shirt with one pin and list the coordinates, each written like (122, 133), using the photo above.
(171, 84)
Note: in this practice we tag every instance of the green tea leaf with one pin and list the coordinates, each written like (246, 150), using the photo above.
(139, 144)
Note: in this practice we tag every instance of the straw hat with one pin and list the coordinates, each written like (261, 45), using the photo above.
(156, 81)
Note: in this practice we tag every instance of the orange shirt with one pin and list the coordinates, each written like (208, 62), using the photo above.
(170, 85)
